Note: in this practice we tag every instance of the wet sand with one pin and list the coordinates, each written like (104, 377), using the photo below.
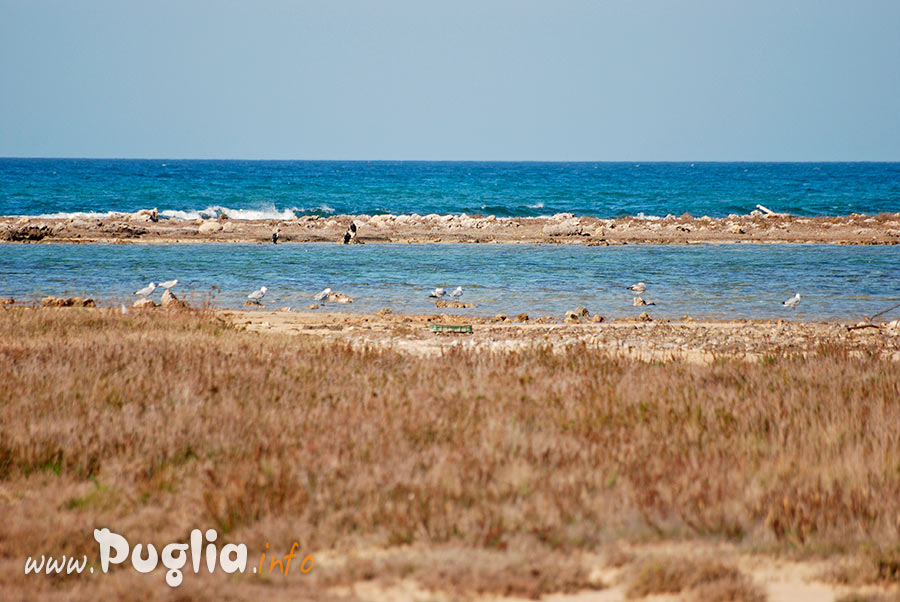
(757, 227)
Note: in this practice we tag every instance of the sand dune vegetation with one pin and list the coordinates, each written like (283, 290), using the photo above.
(505, 473)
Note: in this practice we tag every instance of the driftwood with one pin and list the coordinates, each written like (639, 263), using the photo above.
(861, 326)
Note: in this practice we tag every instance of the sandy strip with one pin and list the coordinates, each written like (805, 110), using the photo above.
(145, 227)
(694, 341)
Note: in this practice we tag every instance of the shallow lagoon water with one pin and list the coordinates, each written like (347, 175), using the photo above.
(709, 281)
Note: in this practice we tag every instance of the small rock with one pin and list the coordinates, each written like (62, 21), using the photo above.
(522, 318)
(144, 303)
(170, 300)
(577, 313)
(597, 318)
(338, 298)
(645, 317)
(312, 306)
(145, 215)
(384, 311)
(453, 304)
(500, 318)
(209, 227)
(639, 301)
(228, 227)
(735, 229)
(9, 301)
(253, 304)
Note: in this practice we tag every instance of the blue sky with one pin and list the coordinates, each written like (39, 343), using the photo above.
(482, 80)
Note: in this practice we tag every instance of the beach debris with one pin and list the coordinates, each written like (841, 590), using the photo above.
(67, 302)
(439, 303)
(638, 288)
(522, 318)
(645, 317)
(451, 328)
(168, 284)
(597, 318)
(283, 310)
(793, 301)
(577, 313)
(171, 301)
(639, 301)
(312, 306)
(209, 227)
(322, 295)
(457, 292)
(256, 295)
(438, 293)
(144, 303)
(500, 318)
(143, 292)
(145, 215)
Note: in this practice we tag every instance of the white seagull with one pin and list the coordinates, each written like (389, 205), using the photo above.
(255, 296)
(457, 292)
(638, 288)
(793, 301)
(323, 295)
(438, 293)
(168, 284)
(146, 290)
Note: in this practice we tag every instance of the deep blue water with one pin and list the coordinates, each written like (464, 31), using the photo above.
(283, 188)
(716, 281)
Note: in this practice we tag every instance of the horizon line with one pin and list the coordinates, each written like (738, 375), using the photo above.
(649, 161)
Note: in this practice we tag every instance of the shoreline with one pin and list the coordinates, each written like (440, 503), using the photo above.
(762, 228)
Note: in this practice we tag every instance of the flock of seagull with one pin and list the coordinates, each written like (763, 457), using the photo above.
(257, 295)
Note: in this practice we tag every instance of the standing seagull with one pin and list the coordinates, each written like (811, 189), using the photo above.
(255, 296)
(457, 292)
(793, 301)
(323, 295)
(168, 284)
(638, 288)
(438, 293)
(146, 290)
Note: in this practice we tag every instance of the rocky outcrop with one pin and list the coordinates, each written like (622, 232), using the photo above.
(124, 229)
(577, 313)
(68, 302)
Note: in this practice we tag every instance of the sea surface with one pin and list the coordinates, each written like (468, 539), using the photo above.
(704, 281)
(284, 189)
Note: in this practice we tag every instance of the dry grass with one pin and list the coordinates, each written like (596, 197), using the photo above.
(707, 580)
(152, 425)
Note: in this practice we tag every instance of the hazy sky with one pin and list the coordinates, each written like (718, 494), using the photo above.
(553, 80)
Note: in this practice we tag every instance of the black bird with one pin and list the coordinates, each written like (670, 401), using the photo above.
(347, 237)
(275, 237)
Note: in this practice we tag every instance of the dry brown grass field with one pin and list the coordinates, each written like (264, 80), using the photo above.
(523, 473)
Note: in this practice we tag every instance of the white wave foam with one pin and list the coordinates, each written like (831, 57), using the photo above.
(641, 215)
(536, 206)
(78, 214)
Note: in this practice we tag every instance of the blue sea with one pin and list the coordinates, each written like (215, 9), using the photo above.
(712, 281)
(282, 189)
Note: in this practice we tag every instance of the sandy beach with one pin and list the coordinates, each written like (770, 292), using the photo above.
(756, 227)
